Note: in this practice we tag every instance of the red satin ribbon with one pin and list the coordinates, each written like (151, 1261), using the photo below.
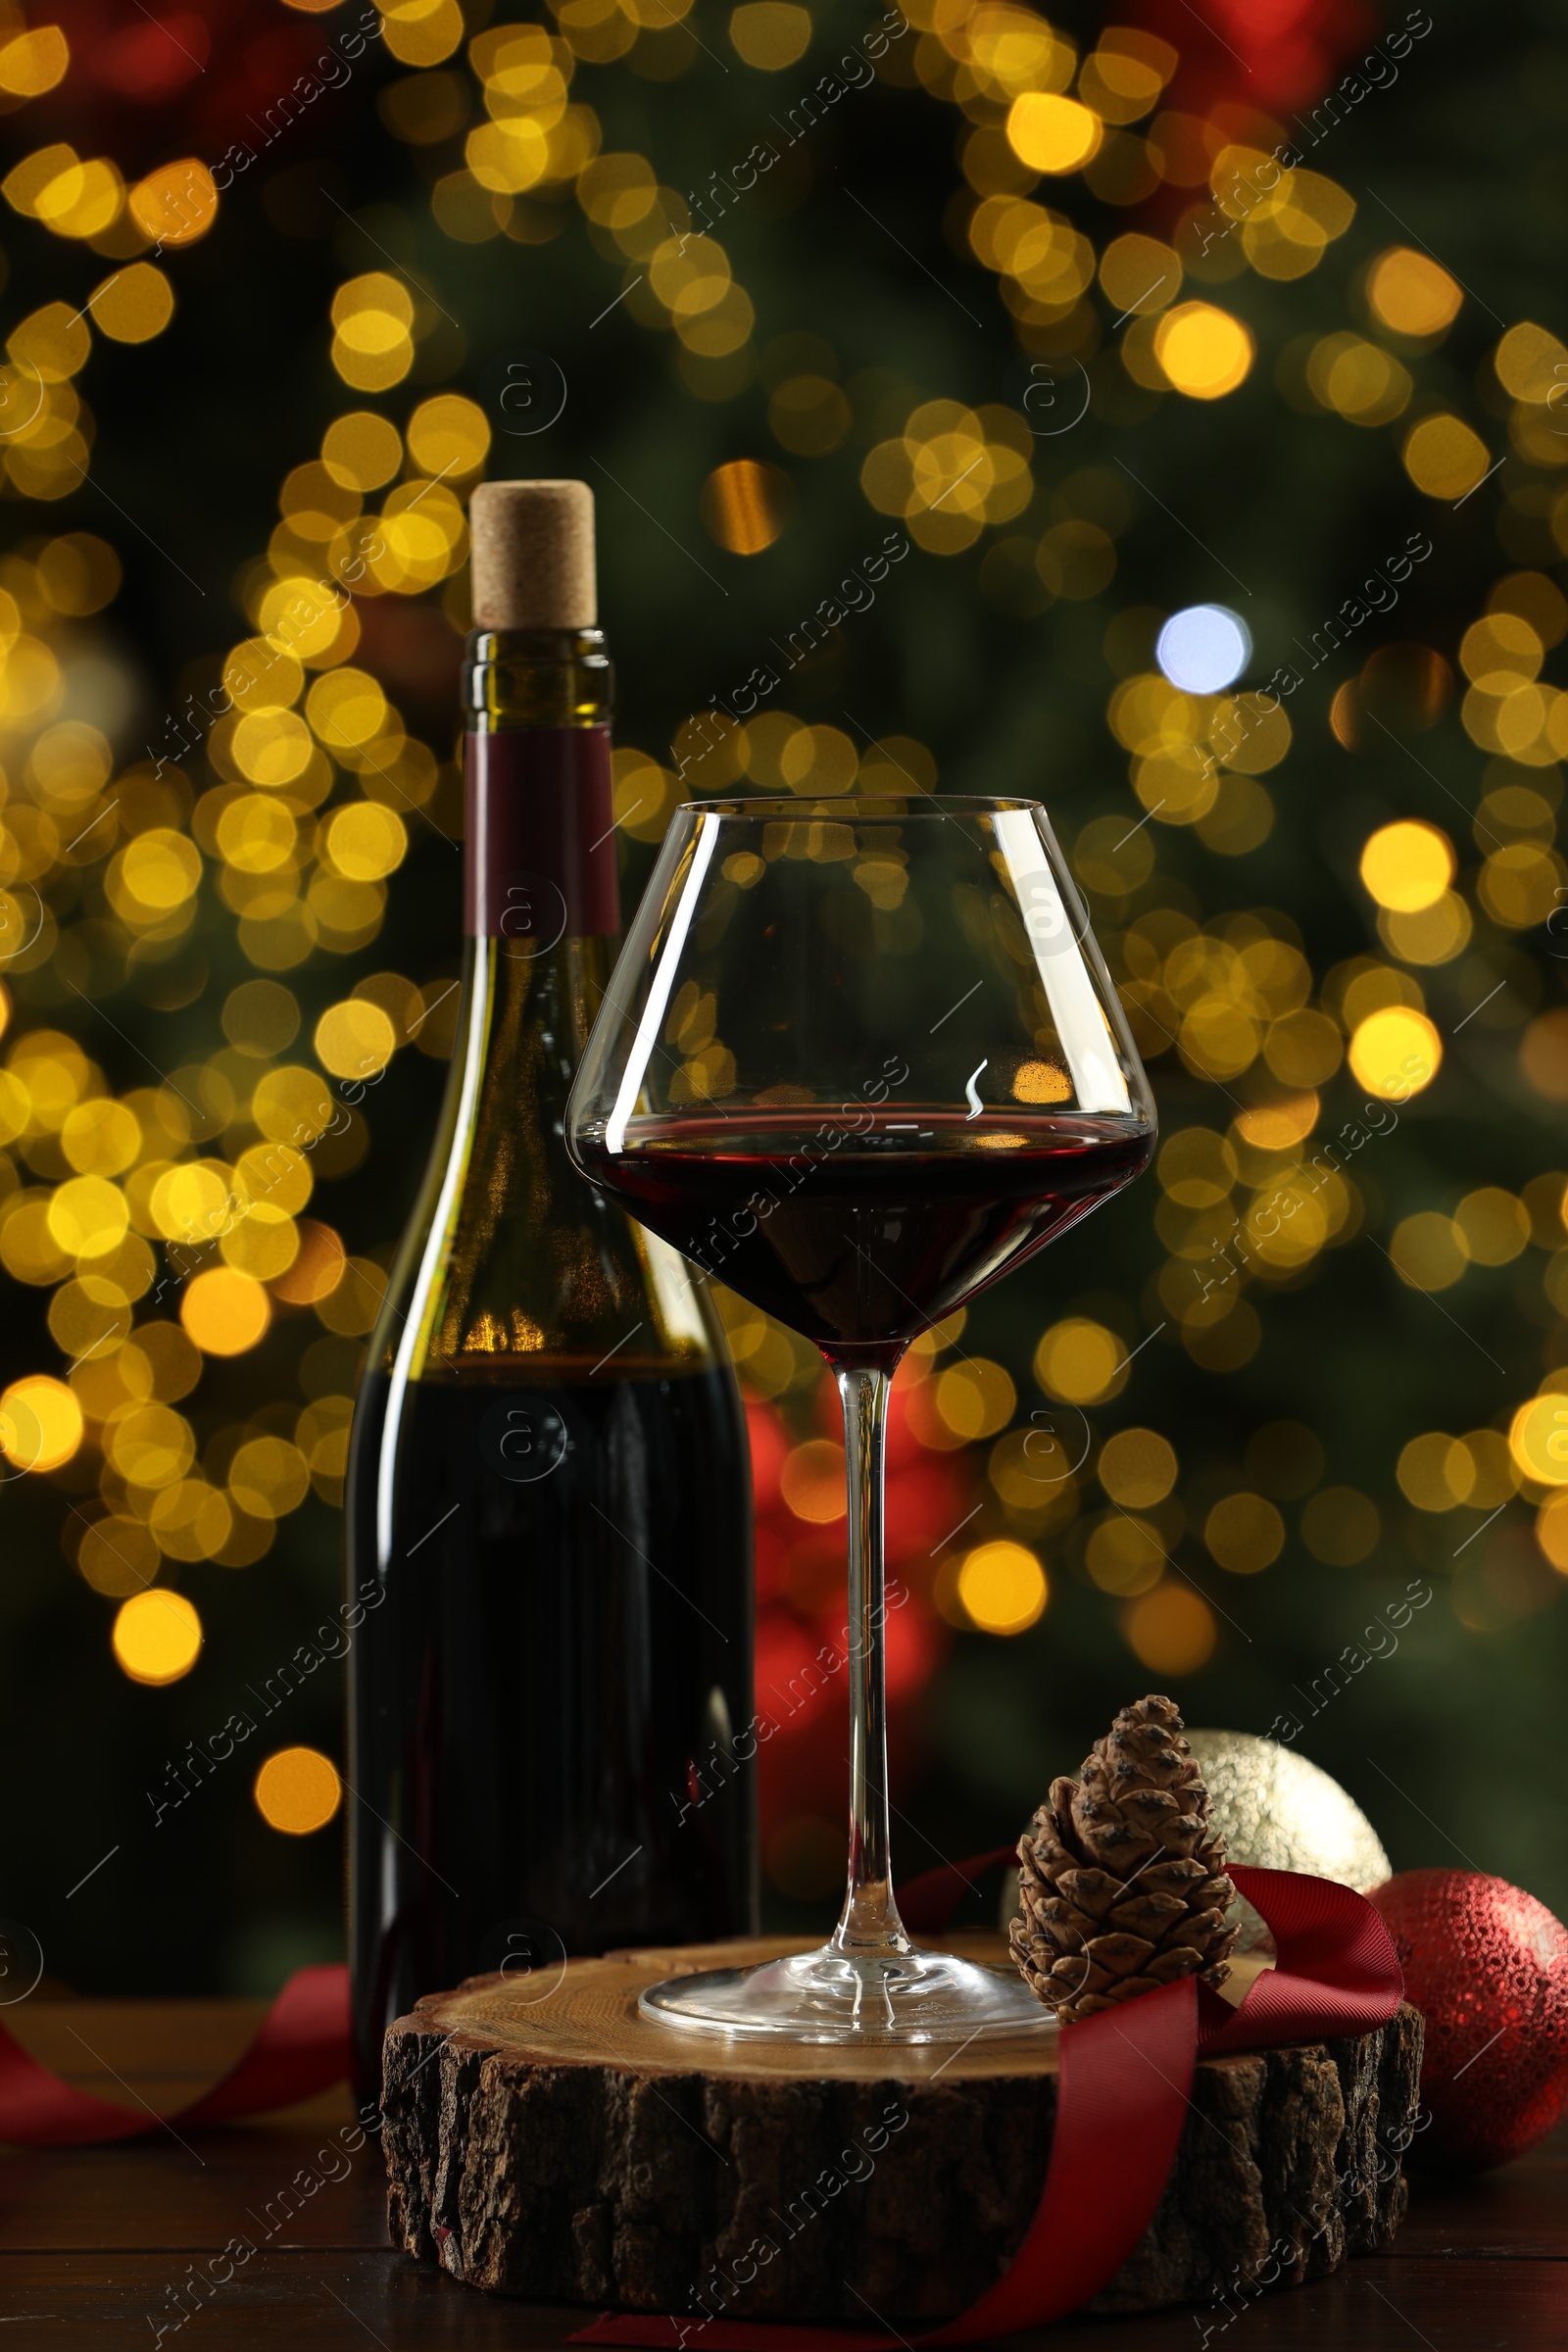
(1121, 2101)
(301, 2048)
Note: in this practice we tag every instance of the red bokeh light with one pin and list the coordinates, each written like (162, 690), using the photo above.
(801, 1611)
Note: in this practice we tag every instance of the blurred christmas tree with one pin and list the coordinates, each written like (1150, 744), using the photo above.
(1147, 416)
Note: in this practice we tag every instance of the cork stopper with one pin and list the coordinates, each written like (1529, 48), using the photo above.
(533, 556)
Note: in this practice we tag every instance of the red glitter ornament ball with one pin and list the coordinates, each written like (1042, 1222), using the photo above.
(1487, 1967)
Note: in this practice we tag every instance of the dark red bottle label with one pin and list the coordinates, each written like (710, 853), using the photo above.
(540, 865)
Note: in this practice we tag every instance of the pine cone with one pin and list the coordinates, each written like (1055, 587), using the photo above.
(1122, 1885)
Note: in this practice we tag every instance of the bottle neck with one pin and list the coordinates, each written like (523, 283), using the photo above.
(514, 1268)
(540, 856)
(526, 1020)
(536, 678)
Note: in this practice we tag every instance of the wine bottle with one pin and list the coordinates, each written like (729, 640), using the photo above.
(549, 1497)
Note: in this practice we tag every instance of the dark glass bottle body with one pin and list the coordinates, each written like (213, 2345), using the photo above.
(548, 1508)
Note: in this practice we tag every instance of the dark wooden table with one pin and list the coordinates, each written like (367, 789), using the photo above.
(95, 2242)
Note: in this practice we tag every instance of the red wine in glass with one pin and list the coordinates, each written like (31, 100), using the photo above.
(860, 1233)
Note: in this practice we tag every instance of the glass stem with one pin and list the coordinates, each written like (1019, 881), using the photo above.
(870, 1922)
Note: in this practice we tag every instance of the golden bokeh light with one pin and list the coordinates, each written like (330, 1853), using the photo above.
(813, 1482)
(315, 505)
(1124, 75)
(88, 1318)
(224, 1312)
(1171, 1630)
(1428, 1250)
(1531, 363)
(1436, 1472)
(976, 1397)
(690, 276)
(1501, 653)
(190, 1520)
(70, 764)
(1124, 1554)
(1408, 866)
(40, 1423)
(257, 833)
(118, 1557)
(1277, 1125)
(421, 32)
(1551, 1531)
(88, 1215)
(1197, 1167)
(157, 1637)
(297, 1790)
(744, 504)
(353, 1300)
(293, 1106)
(31, 62)
(189, 1203)
(1494, 1225)
(1080, 1361)
(1443, 457)
(1204, 352)
(70, 197)
(618, 190)
(151, 1445)
(51, 343)
(1543, 1057)
(1003, 1587)
(1538, 1438)
(79, 573)
(264, 1243)
(346, 708)
(316, 1268)
(769, 34)
(1245, 1532)
(1412, 294)
(272, 748)
(175, 204)
(1053, 133)
(1362, 382)
(366, 841)
(268, 1478)
(1395, 1053)
(1139, 273)
(134, 305)
(1136, 1468)
(355, 1038)
(159, 870)
(448, 435)
(372, 346)
(260, 1017)
(362, 450)
(101, 1138)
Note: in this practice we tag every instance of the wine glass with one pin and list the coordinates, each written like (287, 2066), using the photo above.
(858, 1058)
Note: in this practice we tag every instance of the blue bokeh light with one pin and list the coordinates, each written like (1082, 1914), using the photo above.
(1204, 648)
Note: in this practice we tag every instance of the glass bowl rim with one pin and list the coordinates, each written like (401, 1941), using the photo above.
(897, 807)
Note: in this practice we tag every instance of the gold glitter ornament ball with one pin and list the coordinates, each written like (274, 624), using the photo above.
(1277, 1811)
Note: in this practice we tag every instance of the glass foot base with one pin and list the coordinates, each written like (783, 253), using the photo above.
(829, 1995)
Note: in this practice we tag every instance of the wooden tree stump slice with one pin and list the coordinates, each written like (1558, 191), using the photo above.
(544, 2141)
